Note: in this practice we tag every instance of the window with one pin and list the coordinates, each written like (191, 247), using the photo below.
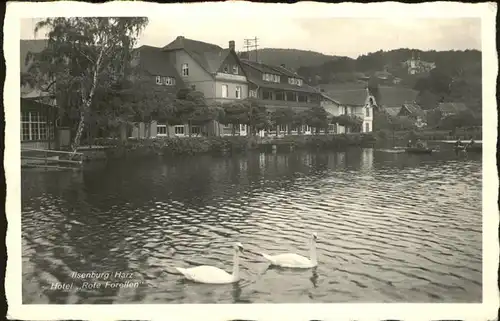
(185, 70)
(168, 81)
(158, 80)
(367, 127)
(332, 128)
(235, 69)
(291, 96)
(224, 91)
(238, 92)
(295, 81)
(179, 130)
(282, 128)
(371, 101)
(280, 95)
(307, 128)
(161, 130)
(252, 93)
(193, 87)
(226, 69)
(302, 98)
(267, 95)
(242, 127)
(196, 130)
(34, 127)
(270, 77)
(367, 111)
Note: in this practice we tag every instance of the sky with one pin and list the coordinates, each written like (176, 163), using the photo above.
(332, 36)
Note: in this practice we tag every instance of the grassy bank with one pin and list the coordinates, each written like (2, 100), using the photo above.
(137, 148)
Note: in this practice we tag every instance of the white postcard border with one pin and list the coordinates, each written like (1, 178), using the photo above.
(486, 310)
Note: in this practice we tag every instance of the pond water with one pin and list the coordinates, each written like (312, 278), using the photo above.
(392, 227)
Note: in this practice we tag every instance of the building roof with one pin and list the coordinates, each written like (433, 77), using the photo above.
(393, 111)
(352, 97)
(260, 67)
(452, 108)
(414, 109)
(281, 71)
(188, 44)
(155, 62)
(207, 55)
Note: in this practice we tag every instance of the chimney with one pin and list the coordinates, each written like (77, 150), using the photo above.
(231, 45)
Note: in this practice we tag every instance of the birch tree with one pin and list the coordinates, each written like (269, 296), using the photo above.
(83, 55)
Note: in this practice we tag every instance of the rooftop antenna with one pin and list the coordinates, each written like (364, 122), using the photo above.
(253, 44)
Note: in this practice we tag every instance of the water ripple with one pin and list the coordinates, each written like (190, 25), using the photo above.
(391, 227)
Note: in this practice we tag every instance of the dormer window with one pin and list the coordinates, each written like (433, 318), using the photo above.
(226, 69)
(271, 78)
(158, 80)
(235, 69)
(295, 81)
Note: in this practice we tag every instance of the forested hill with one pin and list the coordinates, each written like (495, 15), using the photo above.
(451, 62)
(292, 58)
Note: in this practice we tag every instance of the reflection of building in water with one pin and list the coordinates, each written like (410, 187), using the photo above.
(262, 160)
(243, 164)
(281, 161)
(367, 159)
(331, 161)
(307, 159)
(341, 158)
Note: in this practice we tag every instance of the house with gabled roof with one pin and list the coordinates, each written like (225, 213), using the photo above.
(414, 113)
(277, 87)
(152, 66)
(215, 71)
(356, 101)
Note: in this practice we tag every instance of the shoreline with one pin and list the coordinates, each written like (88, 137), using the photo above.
(191, 146)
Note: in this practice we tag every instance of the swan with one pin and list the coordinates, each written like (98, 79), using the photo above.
(292, 260)
(213, 275)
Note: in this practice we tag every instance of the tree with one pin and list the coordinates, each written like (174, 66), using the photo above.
(317, 117)
(433, 118)
(85, 55)
(373, 88)
(191, 108)
(282, 116)
(257, 116)
(427, 99)
(235, 113)
(462, 119)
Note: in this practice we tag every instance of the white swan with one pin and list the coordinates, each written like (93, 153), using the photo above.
(292, 260)
(213, 275)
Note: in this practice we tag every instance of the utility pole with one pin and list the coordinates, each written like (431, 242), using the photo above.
(253, 44)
